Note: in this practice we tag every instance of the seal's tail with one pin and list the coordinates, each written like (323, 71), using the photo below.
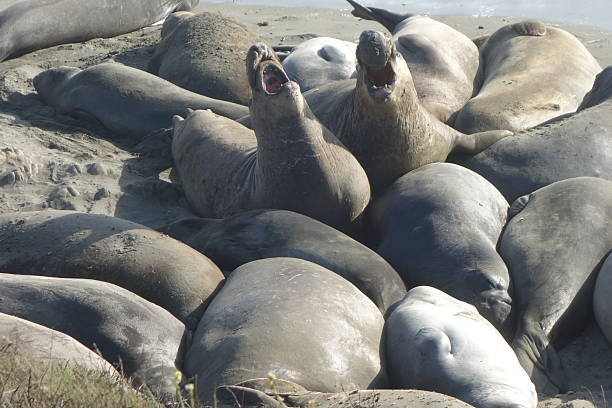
(539, 359)
(385, 17)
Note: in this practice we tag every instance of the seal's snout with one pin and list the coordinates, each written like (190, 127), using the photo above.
(374, 49)
(255, 56)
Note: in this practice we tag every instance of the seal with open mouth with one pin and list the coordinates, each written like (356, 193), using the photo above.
(444, 62)
(288, 161)
(380, 119)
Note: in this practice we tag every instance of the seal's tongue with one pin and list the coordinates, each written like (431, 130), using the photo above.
(272, 82)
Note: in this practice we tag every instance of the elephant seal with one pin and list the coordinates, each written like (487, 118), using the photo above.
(128, 101)
(438, 343)
(270, 308)
(260, 234)
(601, 299)
(553, 245)
(78, 245)
(438, 226)
(443, 62)
(574, 145)
(290, 161)
(532, 73)
(274, 393)
(49, 345)
(380, 120)
(205, 54)
(30, 25)
(601, 92)
(143, 339)
(320, 60)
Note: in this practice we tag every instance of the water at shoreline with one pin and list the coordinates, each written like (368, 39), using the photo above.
(586, 12)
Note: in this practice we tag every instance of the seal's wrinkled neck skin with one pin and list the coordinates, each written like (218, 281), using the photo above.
(383, 78)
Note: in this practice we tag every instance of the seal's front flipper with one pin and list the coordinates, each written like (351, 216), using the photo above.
(387, 18)
(477, 142)
(539, 359)
(530, 27)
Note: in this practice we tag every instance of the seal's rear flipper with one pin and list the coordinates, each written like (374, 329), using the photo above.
(385, 17)
(539, 359)
(530, 27)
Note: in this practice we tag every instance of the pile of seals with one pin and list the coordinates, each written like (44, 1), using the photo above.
(328, 246)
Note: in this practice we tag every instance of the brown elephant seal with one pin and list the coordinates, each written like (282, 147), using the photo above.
(49, 345)
(259, 234)
(128, 101)
(146, 341)
(438, 343)
(294, 319)
(554, 244)
(290, 161)
(443, 62)
(31, 25)
(532, 73)
(70, 244)
(205, 53)
(380, 119)
(573, 145)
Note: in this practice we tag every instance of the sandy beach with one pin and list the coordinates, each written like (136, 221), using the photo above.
(51, 160)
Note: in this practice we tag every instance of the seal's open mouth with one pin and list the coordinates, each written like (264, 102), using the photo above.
(272, 78)
(380, 81)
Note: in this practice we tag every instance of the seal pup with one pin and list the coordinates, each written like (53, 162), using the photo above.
(30, 25)
(144, 339)
(258, 234)
(532, 73)
(573, 145)
(271, 308)
(438, 343)
(443, 62)
(126, 100)
(205, 53)
(71, 244)
(380, 119)
(438, 225)
(553, 245)
(320, 60)
(290, 161)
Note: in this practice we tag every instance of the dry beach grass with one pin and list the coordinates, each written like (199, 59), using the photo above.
(37, 144)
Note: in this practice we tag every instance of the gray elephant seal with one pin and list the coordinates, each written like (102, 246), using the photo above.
(259, 392)
(126, 100)
(574, 145)
(49, 345)
(260, 234)
(532, 73)
(553, 246)
(270, 308)
(77, 245)
(205, 53)
(144, 339)
(380, 119)
(320, 60)
(31, 25)
(438, 343)
(438, 226)
(602, 305)
(289, 162)
(443, 62)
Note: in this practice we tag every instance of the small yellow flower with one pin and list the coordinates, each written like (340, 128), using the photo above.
(178, 376)
(189, 388)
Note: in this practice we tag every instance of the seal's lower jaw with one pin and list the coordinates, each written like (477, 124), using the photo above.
(380, 81)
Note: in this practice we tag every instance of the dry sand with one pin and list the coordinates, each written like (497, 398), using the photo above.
(50, 160)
